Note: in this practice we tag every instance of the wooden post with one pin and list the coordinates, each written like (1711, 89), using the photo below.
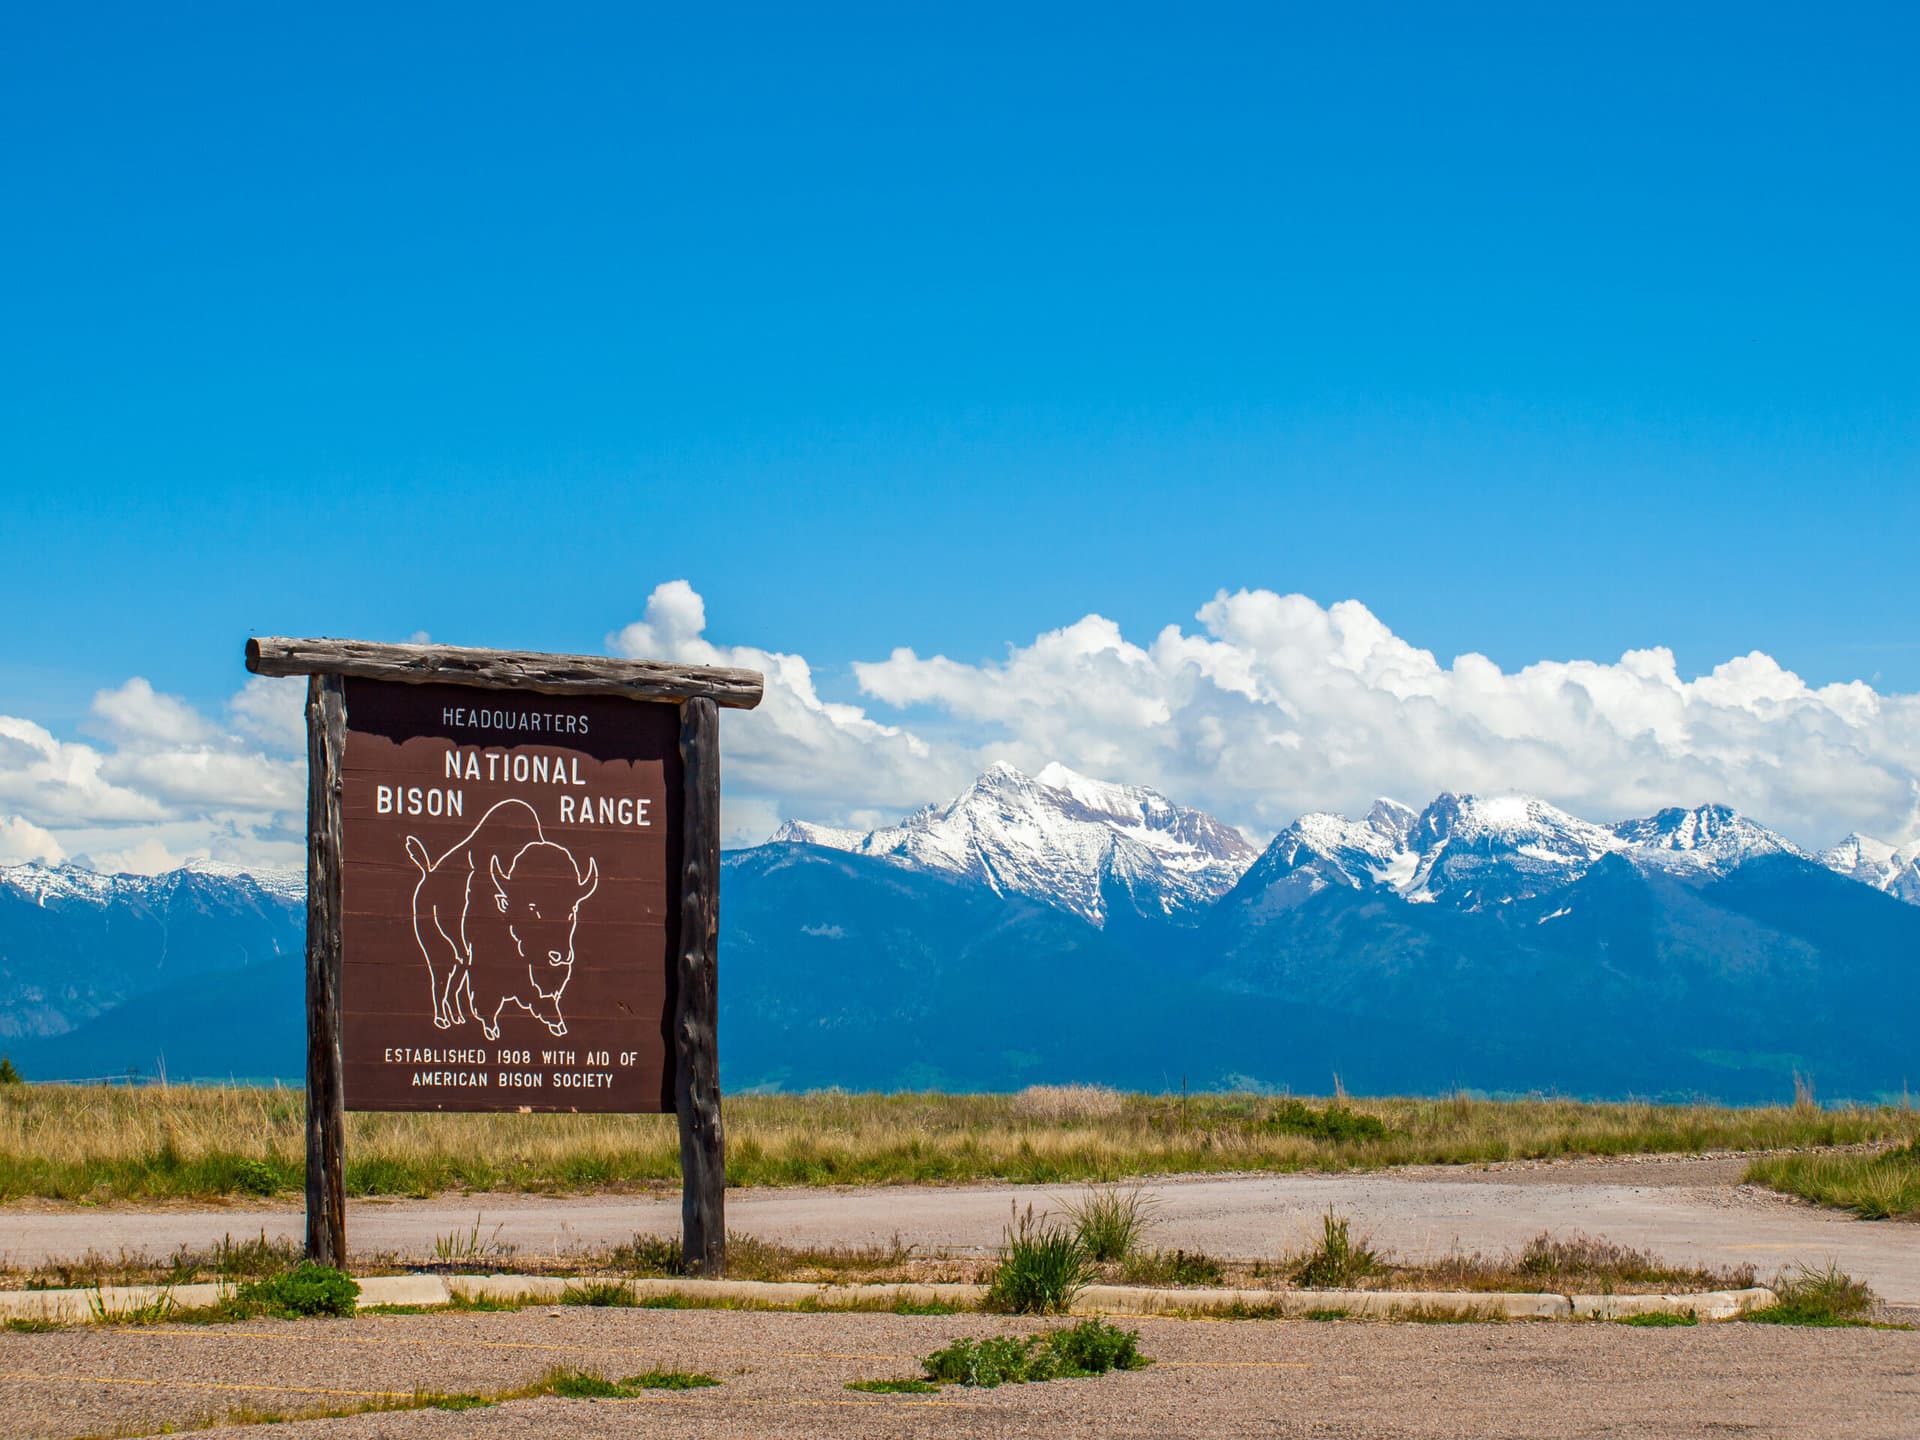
(696, 1081)
(326, 1101)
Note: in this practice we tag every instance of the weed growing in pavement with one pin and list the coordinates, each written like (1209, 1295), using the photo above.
(599, 1293)
(31, 1325)
(1428, 1313)
(652, 1255)
(1658, 1319)
(1326, 1315)
(570, 1384)
(668, 1380)
(1817, 1297)
(306, 1290)
(469, 1247)
(1043, 1269)
(894, 1387)
(1110, 1222)
(1338, 1260)
(1092, 1347)
(156, 1311)
(1173, 1267)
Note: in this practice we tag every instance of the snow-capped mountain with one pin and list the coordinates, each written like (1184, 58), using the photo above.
(1892, 868)
(75, 943)
(1468, 851)
(1062, 838)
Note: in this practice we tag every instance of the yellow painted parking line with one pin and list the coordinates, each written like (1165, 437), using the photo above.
(1235, 1364)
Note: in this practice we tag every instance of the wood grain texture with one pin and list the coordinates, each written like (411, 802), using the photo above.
(703, 1162)
(326, 1099)
(506, 670)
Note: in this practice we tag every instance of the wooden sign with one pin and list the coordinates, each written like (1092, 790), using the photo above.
(512, 896)
(510, 900)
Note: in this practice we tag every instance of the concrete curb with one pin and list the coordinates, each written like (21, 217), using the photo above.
(127, 1302)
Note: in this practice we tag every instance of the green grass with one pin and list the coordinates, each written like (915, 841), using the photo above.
(304, 1291)
(1172, 1267)
(1325, 1315)
(26, 1325)
(1111, 1222)
(1043, 1269)
(1820, 1297)
(1882, 1186)
(1658, 1319)
(80, 1143)
(600, 1293)
(570, 1384)
(1092, 1347)
(894, 1387)
(1338, 1261)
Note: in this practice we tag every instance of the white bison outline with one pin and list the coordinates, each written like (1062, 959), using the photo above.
(517, 949)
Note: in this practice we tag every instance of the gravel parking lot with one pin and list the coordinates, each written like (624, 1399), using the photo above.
(784, 1375)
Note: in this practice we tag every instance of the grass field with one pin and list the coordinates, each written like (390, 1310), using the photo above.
(1881, 1186)
(107, 1144)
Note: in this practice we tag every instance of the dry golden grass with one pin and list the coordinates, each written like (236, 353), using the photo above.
(104, 1144)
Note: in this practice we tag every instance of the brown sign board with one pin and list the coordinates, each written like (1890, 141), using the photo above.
(510, 894)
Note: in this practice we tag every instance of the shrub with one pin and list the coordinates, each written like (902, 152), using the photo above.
(1094, 1347)
(255, 1177)
(1109, 1223)
(8, 1075)
(1337, 1122)
(305, 1290)
(1338, 1260)
(1043, 1270)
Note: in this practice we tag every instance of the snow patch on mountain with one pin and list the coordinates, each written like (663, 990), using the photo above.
(1892, 868)
(1469, 852)
(1063, 838)
(67, 884)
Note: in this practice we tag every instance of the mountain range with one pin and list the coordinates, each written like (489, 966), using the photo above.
(1054, 927)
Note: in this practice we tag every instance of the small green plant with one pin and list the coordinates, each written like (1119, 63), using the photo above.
(904, 1306)
(1043, 1270)
(31, 1325)
(572, 1384)
(894, 1387)
(1110, 1222)
(651, 1255)
(667, 1380)
(1817, 1297)
(1173, 1267)
(1338, 1260)
(9, 1075)
(255, 1177)
(156, 1311)
(1659, 1319)
(1326, 1315)
(1092, 1347)
(304, 1291)
(579, 1385)
(1339, 1123)
(469, 1247)
(598, 1293)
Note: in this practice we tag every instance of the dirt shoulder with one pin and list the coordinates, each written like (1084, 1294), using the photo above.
(784, 1376)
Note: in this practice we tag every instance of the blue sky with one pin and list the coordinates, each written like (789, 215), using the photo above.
(1546, 336)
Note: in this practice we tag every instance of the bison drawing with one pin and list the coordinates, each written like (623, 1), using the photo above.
(494, 919)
